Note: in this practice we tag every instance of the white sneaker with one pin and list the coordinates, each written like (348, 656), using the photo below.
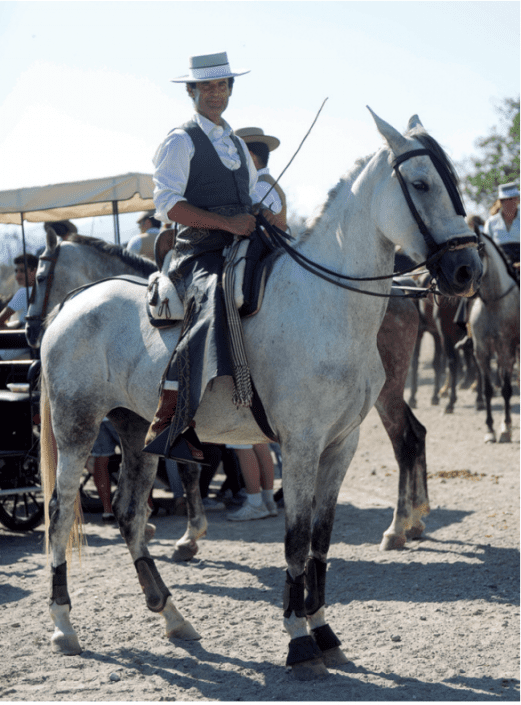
(213, 505)
(272, 509)
(248, 511)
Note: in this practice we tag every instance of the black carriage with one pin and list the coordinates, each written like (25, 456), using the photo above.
(21, 496)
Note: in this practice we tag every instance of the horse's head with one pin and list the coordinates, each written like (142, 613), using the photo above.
(41, 302)
(432, 227)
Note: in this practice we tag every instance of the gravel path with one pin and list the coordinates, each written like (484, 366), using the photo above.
(437, 621)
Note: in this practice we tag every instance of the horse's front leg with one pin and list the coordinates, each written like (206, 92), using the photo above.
(186, 547)
(332, 468)
(304, 656)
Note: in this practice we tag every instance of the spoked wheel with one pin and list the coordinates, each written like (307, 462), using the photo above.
(22, 511)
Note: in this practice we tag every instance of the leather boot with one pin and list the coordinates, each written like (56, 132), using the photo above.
(164, 414)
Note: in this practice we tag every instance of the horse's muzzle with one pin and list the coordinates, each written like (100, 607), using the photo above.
(459, 273)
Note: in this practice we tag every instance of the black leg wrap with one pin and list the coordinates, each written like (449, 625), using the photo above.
(325, 637)
(153, 586)
(315, 585)
(303, 648)
(59, 593)
(294, 596)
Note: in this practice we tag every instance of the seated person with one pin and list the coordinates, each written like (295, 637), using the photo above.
(18, 304)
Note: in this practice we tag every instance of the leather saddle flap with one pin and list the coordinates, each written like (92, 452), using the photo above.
(253, 263)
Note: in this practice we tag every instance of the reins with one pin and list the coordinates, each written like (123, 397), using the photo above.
(436, 251)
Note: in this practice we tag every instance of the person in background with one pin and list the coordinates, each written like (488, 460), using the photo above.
(266, 191)
(258, 474)
(18, 304)
(503, 224)
(98, 466)
(256, 462)
(143, 244)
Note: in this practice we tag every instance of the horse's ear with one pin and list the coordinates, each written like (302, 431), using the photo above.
(51, 236)
(394, 139)
(414, 121)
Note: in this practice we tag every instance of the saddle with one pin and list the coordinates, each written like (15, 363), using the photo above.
(252, 263)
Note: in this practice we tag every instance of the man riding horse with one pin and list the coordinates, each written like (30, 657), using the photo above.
(204, 180)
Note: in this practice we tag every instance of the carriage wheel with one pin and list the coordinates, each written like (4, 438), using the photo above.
(23, 511)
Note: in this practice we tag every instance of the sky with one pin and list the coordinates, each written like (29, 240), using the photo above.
(85, 88)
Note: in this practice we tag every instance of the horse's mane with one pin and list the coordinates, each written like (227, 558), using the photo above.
(142, 265)
(345, 182)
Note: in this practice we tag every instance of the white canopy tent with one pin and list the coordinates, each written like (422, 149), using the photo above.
(111, 195)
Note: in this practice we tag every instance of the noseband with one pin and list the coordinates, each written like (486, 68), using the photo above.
(50, 278)
(435, 251)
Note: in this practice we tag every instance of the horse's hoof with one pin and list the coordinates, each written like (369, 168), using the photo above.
(334, 657)
(505, 437)
(448, 410)
(412, 403)
(392, 542)
(184, 552)
(480, 406)
(490, 437)
(415, 532)
(435, 401)
(184, 631)
(309, 670)
(65, 644)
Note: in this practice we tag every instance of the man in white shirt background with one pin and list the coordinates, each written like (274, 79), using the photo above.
(143, 244)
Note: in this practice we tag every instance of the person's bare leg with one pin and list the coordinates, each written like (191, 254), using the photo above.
(267, 474)
(101, 477)
(254, 507)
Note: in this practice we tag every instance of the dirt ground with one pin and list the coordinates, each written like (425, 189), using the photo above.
(436, 621)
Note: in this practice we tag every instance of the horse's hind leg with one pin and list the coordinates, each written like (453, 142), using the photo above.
(136, 478)
(186, 547)
(407, 435)
(74, 442)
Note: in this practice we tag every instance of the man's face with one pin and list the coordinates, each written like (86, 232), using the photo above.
(211, 98)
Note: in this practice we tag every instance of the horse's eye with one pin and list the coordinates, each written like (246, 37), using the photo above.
(40, 279)
(421, 186)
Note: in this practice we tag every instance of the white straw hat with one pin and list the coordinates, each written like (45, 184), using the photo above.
(507, 191)
(208, 67)
(255, 134)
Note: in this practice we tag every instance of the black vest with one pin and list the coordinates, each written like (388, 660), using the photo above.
(210, 183)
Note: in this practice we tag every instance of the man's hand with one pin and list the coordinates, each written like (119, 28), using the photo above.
(242, 224)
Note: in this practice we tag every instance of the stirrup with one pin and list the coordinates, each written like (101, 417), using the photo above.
(179, 450)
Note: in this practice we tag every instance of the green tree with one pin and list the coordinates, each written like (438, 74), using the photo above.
(497, 160)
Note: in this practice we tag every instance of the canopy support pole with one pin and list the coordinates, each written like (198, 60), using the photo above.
(115, 213)
(35, 354)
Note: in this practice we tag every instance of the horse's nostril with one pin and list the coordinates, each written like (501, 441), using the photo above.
(463, 275)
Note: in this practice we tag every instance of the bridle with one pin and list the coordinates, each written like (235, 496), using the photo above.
(435, 250)
(50, 278)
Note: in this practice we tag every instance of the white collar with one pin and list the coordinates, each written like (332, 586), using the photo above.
(261, 172)
(207, 125)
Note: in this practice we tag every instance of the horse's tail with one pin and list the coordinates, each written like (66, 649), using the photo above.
(48, 461)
